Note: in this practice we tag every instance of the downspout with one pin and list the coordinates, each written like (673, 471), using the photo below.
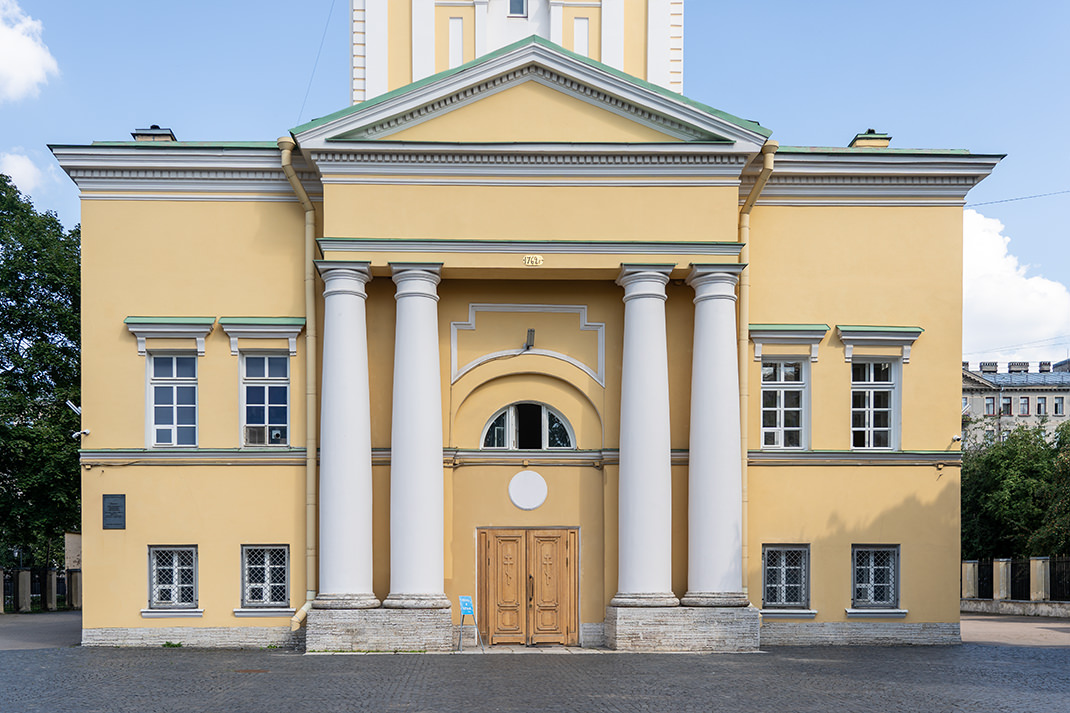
(768, 152)
(286, 146)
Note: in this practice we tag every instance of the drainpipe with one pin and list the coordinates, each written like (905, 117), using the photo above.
(768, 151)
(286, 146)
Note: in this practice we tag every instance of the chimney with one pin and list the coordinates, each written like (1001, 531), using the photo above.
(153, 133)
(1018, 367)
(1045, 367)
(988, 367)
(966, 365)
(870, 140)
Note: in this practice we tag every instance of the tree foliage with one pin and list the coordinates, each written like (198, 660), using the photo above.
(1016, 495)
(39, 372)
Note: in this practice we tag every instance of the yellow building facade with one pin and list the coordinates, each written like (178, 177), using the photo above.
(522, 324)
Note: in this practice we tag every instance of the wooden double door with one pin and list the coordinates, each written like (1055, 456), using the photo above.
(529, 586)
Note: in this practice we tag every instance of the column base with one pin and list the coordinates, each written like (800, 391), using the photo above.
(390, 630)
(416, 601)
(695, 629)
(715, 599)
(345, 601)
(644, 599)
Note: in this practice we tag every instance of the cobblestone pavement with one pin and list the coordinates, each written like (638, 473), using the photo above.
(971, 677)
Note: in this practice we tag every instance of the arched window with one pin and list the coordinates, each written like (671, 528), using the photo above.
(528, 427)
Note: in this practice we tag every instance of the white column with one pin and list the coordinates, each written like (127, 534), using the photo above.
(715, 487)
(416, 498)
(644, 576)
(345, 579)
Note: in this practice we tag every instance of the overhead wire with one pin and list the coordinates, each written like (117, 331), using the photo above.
(1021, 198)
(315, 64)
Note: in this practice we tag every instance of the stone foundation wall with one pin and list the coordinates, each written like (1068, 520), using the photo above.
(858, 633)
(592, 636)
(214, 637)
(699, 629)
(381, 629)
(1013, 607)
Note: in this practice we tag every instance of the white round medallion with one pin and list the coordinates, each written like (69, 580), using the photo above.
(527, 490)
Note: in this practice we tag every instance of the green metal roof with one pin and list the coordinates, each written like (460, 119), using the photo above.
(874, 328)
(281, 321)
(875, 150)
(169, 320)
(788, 327)
(536, 40)
(151, 145)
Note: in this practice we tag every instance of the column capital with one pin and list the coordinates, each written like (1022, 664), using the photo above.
(714, 281)
(644, 280)
(340, 278)
(416, 279)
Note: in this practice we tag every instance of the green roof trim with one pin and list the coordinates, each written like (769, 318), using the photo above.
(279, 321)
(787, 327)
(878, 150)
(874, 328)
(161, 145)
(534, 39)
(169, 320)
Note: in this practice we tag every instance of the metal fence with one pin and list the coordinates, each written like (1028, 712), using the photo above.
(37, 585)
(8, 601)
(1060, 579)
(984, 579)
(1020, 580)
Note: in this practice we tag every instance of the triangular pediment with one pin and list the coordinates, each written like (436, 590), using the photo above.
(494, 99)
(971, 380)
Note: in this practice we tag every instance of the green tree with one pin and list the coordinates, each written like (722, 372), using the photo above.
(39, 372)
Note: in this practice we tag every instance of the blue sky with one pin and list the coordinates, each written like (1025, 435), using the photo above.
(988, 76)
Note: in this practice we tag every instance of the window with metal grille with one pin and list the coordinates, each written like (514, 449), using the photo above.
(872, 404)
(265, 576)
(172, 577)
(876, 580)
(266, 395)
(783, 397)
(528, 426)
(786, 576)
(173, 390)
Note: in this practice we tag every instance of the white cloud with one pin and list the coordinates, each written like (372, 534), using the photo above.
(25, 174)
(1008, 315)
(25, 62)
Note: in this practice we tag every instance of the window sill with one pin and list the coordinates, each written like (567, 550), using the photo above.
(788, 613)
(875, 613)
(172, 613)
(250, 612)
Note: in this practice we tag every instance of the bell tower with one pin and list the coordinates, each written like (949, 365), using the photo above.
(397, 42)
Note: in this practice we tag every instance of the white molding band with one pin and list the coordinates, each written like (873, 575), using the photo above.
(788, 613)
(287, 329)
(523, 247)
(262, 612)
(876, 613)
(169, 328)
(801, 334)
(865, 336)
(598, 373)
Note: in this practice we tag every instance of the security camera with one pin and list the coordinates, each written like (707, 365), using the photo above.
(956, 437)
(78, 434)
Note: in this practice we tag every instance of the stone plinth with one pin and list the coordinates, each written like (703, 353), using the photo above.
(698, 629)
(380, 629)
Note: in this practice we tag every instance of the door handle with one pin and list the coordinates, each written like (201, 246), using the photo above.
(531, 588)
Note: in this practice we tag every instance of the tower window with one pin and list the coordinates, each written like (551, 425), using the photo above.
(528, 427)
(518, 8)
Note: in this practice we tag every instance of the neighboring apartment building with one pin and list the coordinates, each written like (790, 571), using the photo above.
(602, 357)
(995, 402)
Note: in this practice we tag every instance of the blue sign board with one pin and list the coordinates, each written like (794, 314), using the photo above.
(466, 606)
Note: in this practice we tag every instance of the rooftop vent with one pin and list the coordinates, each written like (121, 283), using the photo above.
(869, 140)
(1063, 365)
(1018, 367)
(1045, 367)
(153, 133)
(966, 365)
(988, 367)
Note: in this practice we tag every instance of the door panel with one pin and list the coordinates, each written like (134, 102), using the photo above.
(529, 586)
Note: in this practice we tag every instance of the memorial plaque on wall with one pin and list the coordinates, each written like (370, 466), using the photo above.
(115, 512)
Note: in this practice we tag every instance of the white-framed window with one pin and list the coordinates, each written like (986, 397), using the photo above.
(786, 576)
(874, 410)
(528, 426)
(173, 577)
(1005, 406)
(876, 576)
(990, 406)
(518, 8)
(1023, 405)
(173, 399)
(265, 399)
(265, 575)
(1042, 406)
(784, 404)
(1057, 406)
